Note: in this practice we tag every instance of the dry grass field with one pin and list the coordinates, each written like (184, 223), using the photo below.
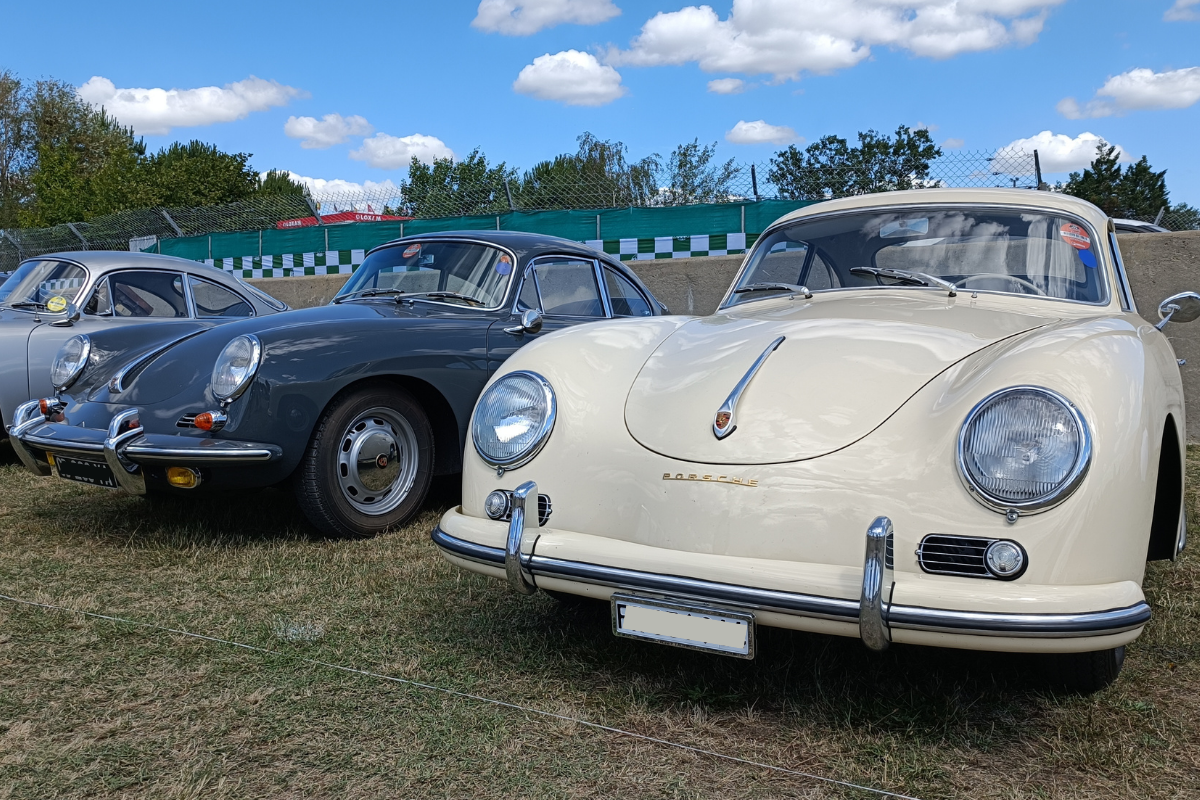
(93, 708)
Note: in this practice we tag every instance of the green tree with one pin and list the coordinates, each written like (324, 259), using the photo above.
(279, 182)
(598, 175)
(456, 188)
(197, 174)
(693, 177)
(831, 167)
(1099, 184)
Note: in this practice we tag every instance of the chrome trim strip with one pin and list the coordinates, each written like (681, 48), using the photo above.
(129, 476)
(116, 384)
(878, 582)
(727, 413)
(1053, 626)
(59, 446)
(143, 452)
(518, 579)
(27, 415)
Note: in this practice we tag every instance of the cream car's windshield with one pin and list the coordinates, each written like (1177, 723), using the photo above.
(43, 285)
(456, 272)
(1013, 251)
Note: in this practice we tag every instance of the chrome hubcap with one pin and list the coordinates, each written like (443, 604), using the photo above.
(377, 461)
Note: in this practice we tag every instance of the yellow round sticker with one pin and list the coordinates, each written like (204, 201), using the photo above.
(56, 304)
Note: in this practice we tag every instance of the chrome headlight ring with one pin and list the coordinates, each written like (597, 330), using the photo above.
(1061, 489)
(236, 367)
(503, 397)
(70, 362)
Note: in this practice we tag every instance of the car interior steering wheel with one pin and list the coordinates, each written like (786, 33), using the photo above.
(1004, 276)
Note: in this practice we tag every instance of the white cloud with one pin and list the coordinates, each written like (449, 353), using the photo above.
(926, 126)
(395, 152)
(1137, 90)
(322, 188)
(759, 132)
(953, 144)
(525, 17)
(318, 134)
(784, 38)
(1059, 152)
(1183, 11)
(157, 111)
(727, 86)
(570, 77)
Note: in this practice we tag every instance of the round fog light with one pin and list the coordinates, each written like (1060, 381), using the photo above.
(183, 477)
(496, 505)
(1005, 559)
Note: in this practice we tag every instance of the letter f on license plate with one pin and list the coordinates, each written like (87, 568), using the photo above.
(715, 630)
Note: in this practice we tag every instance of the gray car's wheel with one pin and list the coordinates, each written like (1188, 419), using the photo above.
(1087, 672)
(368, 465)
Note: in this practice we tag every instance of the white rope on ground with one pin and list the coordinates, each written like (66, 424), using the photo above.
(465, 696)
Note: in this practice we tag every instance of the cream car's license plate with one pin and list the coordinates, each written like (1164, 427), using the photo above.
(716, 630)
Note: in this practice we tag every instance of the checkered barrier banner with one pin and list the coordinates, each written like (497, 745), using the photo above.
(344, 262)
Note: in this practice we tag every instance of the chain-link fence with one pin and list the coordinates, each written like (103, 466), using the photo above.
(748, 183)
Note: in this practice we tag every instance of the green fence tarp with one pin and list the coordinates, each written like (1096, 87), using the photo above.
(607, 224)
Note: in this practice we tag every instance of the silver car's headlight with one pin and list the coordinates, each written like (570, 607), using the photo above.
(235, 367)
(1024, 448)
(69, 363)
(513, 419)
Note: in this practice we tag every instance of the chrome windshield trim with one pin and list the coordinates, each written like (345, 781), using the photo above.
(725, 420)
(980, 623)
(775, 226)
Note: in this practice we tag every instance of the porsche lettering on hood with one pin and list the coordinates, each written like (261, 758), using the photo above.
(845, 366)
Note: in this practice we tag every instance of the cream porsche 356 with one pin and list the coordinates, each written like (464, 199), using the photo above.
(929, 417)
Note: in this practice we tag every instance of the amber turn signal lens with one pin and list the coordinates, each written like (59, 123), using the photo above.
(183, 477)
(204, 421)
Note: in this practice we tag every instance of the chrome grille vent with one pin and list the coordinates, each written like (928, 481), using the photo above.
(890, 555)
(941, 554)
(186, 421)
(545, 509)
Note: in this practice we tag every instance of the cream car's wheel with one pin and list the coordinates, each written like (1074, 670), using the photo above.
(368, 465)
(1087, 672)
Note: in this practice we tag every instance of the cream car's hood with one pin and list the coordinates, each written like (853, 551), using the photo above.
(847, 363)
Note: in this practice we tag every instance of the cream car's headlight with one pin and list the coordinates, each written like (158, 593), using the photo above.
(513, 419)
(235, 367)
(69, 363)
(1024, 448)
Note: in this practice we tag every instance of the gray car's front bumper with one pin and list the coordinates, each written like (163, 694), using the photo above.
(126, 449)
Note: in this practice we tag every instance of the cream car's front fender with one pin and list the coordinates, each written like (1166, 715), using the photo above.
(604, 484)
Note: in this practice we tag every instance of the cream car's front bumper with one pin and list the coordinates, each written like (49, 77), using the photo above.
(872, 602)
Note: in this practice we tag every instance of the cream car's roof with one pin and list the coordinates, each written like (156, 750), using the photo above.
(1009, 197)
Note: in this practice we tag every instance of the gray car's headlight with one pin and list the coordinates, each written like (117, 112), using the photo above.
(69, 363)
(1024, 448)
(513, 419)
(235, 367)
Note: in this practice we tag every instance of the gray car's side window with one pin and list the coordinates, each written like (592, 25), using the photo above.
(212, 300)
(148, 294)
(626, 300)
(100, 303)
(568, 287)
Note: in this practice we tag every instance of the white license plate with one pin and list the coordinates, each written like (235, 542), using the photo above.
(696, 627)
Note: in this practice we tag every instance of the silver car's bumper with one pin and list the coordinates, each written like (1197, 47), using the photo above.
(125, 447)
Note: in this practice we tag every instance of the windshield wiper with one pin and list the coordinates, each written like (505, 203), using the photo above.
(466, 298)
(28, 304)
(912, 278)
(365, 293)
(774, 287)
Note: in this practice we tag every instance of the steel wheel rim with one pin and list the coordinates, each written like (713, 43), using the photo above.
(377, 461)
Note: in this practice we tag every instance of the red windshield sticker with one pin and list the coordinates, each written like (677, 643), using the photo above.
(412, 250)
(1075, 236)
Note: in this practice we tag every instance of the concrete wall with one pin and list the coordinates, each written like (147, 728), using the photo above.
(1159, 265)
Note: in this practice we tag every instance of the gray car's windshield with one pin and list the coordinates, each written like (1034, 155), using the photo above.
(977, 249)
(463, 273)
(43, 285)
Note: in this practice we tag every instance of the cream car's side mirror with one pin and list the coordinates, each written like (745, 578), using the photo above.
(531, 322)
(1182, 307)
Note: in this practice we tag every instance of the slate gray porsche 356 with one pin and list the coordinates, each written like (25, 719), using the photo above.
(52, 298)
(358, 403)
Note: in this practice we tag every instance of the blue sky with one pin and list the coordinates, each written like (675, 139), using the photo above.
(424, 80)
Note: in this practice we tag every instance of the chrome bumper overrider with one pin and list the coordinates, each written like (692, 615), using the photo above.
(875, 616)
(125, 451)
